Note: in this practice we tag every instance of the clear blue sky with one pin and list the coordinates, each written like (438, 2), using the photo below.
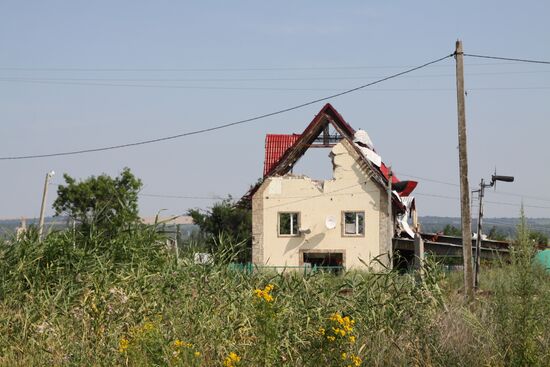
(263, 57)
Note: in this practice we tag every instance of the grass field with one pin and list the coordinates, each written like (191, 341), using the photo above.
(124, 300)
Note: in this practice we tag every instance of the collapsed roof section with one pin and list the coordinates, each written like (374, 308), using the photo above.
(283, 151)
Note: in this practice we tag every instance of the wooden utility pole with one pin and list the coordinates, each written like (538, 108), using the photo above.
(464, 184)
(390, 219)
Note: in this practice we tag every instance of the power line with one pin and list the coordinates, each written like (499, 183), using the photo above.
(486, 201)
(506, 193)
(281, 68)
(196, 132)
(181, 197)
(249, 79)
(193, 87)
(508, 59)
(427, 179)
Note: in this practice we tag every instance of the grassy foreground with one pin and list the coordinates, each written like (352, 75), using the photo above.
(92, 300)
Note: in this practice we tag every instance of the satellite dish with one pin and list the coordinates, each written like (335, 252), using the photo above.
(330, 222)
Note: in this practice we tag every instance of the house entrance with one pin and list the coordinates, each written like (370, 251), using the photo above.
(331, 260)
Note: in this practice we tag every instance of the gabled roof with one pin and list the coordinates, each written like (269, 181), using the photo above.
(327, 115)
(283, 151)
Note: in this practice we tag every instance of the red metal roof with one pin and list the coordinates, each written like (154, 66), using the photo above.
(275, 146)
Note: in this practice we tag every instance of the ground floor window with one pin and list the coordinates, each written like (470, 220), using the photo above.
(332, 260)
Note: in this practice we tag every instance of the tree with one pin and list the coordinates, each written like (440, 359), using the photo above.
(107, 203)
(451, 230)
(495, 234)
(225, 219)
(539, 238)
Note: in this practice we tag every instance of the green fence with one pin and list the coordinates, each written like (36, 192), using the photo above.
(249, 268)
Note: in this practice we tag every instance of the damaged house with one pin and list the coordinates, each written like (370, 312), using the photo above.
(346, 221)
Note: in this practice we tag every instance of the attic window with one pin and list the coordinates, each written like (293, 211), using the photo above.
(353, 223)
(289, 223)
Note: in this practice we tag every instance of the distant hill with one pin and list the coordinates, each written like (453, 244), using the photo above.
(506, 226)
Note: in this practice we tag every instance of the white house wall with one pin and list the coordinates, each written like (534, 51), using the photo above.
(350, 190)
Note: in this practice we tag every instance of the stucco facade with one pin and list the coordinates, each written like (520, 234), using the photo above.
(351, 190)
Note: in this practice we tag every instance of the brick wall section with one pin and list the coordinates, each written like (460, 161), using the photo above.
(257, 226)
(383, 236)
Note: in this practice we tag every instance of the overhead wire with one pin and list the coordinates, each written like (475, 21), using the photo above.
(223, 126)
(228, 69)
(202, 87)
(215, 197)
(250, 79)
(508, 59)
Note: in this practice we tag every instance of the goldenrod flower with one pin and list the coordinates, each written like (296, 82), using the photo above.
(178, 344)
(265, 293)
(123, 345)
(148, 326)
(231, 360)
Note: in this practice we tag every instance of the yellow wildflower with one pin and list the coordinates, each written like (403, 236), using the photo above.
(322, 330)
(331, 338)
(231, 360)
(123, 345)
(352, 339)
(148, 326)
(265, 293)
(179, 344)
(344, 356)
(197, 354)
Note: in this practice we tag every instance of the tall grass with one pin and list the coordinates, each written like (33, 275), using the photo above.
(79, 299)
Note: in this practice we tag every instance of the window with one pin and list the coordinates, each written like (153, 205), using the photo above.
(289, 224)
(331, 261)
(354, 223)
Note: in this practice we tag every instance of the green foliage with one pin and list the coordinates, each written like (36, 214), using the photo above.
(495, 234)
(520, 309)
(225, 223)
(451, 230)
(88, 299)
(110, 204)
(538, 238)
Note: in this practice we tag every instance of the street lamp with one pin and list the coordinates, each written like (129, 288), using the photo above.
(481, 191)
(49, 175)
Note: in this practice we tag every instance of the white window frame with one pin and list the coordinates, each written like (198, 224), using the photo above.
(357, 213)
(293, 226)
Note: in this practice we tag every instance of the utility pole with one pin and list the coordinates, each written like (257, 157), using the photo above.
(464, 184)
(479, 239)
(390, 221)
(43, 206)
(479, 234)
